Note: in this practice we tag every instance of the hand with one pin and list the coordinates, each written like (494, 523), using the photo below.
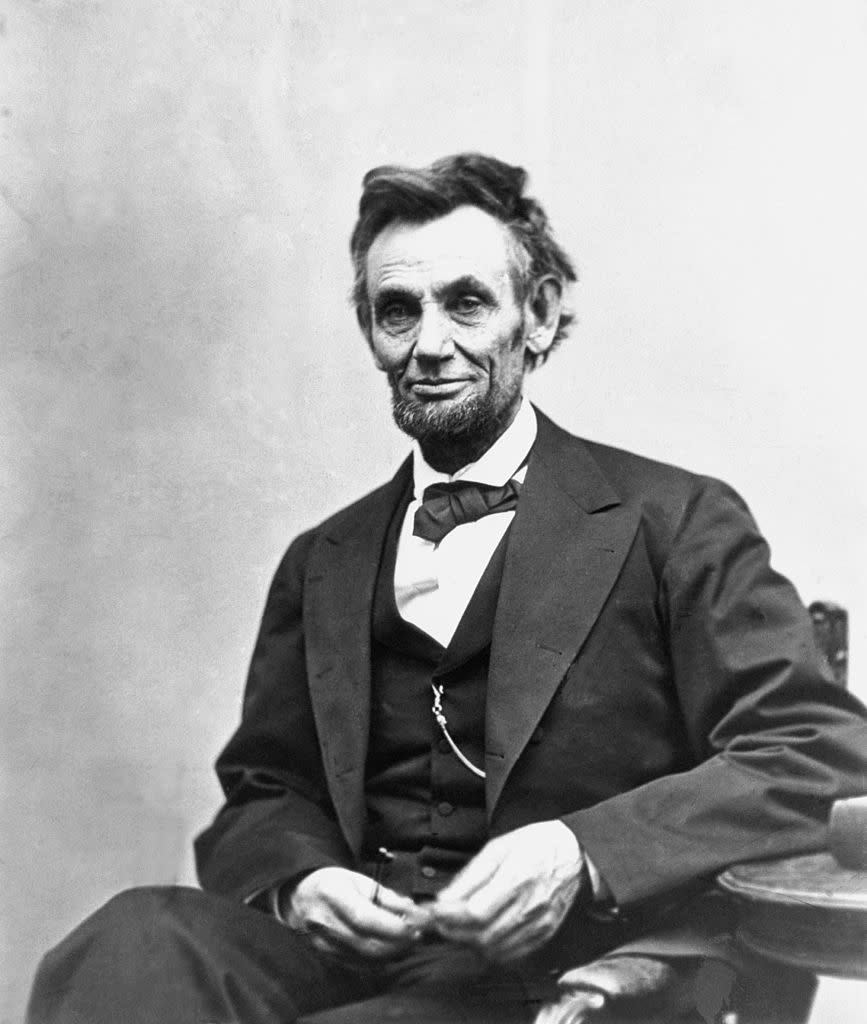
(613, 980)
(335, 908)
(514, 894)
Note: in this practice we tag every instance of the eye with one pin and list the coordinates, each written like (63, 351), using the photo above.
(396, 315)
(468, 306)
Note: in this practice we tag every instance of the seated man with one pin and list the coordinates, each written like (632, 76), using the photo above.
(508, 714)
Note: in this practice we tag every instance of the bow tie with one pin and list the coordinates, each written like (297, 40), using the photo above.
(445, 506)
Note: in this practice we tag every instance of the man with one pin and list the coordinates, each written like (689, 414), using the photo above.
(508, 714)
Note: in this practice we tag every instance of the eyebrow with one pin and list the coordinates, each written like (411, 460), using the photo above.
(395, 294)
(445, 290)
(466, 283)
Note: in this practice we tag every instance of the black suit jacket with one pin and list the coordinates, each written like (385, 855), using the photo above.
(653, 682)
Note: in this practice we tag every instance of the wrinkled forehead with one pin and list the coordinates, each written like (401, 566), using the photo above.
(464, 243)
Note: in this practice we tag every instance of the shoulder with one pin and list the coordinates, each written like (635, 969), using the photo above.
(633, 477)
(667, 497)
(670, 489)
(637, 476)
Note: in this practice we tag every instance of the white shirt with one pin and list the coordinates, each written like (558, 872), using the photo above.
(433, 583)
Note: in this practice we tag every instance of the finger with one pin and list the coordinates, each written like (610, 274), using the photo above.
(416, 918)
(493, 925)
(472, 917)
(517, 941)
(392, 901)
(338, 940)
(366, 920)
(500, 895)
(471, 878)
(349, 910)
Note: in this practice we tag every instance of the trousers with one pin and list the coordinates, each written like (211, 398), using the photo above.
(174, 955)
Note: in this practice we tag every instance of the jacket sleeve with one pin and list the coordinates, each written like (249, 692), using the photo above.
(773, 741)
(277, 821)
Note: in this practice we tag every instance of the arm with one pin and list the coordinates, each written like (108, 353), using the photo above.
(277, 822)
(772, 740)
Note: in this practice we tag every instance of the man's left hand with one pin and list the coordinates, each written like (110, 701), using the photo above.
(514, 894)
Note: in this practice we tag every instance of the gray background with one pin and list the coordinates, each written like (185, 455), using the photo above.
(183, 387)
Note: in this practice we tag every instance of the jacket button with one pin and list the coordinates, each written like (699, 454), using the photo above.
(445, 808)
(428, 871)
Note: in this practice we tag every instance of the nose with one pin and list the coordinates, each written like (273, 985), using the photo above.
(434, 335)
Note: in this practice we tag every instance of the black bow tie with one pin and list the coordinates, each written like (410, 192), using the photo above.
(445, 506)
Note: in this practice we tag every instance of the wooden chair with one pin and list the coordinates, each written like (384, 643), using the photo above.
(810, 912)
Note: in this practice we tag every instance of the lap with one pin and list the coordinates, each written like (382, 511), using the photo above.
(158, 954)
(181, 954)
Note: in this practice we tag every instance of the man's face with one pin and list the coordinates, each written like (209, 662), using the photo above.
(446, 326)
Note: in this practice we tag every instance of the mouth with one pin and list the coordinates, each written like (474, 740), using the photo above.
(436, 387)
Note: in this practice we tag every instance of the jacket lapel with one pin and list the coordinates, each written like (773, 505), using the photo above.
(569, 539)
(338, 600)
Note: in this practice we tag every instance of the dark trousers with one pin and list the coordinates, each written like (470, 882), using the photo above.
(182, 956)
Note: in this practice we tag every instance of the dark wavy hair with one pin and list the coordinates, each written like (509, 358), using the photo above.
(417, 195)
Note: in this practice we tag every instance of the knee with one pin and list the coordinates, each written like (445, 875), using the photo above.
(107, 950)
(134, 922)
(121, 955)
(144, 904)
(146, 908)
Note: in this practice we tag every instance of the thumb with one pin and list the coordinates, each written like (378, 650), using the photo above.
(392, 901)
(480, 870)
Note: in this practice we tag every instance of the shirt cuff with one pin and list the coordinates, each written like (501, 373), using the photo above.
(274, 903)
(268, 900)
(598, 885)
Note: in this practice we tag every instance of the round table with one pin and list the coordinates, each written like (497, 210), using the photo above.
(806, 911)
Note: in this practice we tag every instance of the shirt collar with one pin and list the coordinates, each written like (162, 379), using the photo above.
(498, 464)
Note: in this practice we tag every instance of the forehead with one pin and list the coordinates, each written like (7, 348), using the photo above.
(466, 241)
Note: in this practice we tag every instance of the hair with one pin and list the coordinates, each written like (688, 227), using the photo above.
(417, 195)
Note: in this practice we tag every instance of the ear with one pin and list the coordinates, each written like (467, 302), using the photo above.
(543, 314)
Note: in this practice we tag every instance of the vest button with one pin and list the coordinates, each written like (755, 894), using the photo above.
(428, 871)
(445, 808)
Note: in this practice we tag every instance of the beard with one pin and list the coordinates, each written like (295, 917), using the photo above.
(460, 431)
(474, 423)
(441, 422)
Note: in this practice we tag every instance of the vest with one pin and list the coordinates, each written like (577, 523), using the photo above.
(424, 806)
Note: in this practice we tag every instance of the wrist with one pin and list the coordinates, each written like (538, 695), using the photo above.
(280, 898)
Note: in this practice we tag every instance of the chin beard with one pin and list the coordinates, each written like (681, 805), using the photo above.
(473, 424)
(452, 434)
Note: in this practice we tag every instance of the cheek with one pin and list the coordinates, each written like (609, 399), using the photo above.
(508, 355)
(487, 343)
(391, 352)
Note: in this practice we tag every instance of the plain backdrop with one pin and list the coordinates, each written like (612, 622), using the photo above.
(184, 388)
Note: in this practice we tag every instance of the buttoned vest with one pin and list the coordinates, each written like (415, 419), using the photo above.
(424, 806)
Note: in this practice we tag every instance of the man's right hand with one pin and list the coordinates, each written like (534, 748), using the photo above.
(335, 908)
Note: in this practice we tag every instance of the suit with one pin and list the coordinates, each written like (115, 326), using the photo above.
(651, 681)
(667, 676)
